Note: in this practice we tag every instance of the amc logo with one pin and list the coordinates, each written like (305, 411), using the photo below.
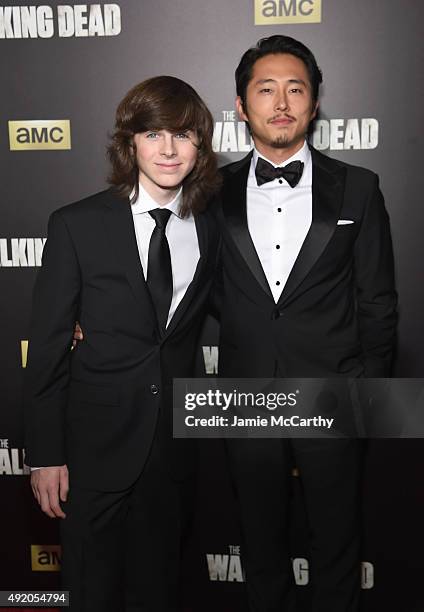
(287, 11)
(45, 557)
(39, 135)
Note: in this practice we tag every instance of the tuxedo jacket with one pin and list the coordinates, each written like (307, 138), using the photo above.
(336, 315)
(97, 408)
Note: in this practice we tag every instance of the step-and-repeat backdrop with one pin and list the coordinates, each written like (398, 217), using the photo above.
(64, 68)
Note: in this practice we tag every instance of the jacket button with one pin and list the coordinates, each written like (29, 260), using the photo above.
(276, 314)
(154, 389)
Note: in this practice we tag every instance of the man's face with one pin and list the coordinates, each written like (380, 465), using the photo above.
(164, 160)
(279, 105)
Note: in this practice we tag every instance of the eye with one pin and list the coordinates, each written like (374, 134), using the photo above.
(152, 135)
(295, 90)
(265, 90)
(182, 135)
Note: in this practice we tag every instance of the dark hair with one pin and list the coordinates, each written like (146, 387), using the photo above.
(164, 103)
(273, 45)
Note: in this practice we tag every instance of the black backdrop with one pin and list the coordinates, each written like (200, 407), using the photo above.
(74, 63)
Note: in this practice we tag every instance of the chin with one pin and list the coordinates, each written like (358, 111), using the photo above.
(281, 142)
(169, 184)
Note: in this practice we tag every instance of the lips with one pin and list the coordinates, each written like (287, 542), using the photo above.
(168, 166)
(281, 121)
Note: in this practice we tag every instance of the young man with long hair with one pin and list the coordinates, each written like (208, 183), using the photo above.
(134, 265)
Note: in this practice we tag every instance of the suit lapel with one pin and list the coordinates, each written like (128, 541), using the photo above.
(328, 180)
(120, 227)
(235, 213)
(203, 238)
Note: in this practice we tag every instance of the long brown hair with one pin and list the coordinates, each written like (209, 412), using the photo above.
(164, 103)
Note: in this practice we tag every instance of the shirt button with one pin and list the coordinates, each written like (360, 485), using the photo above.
(277, 246)
(279, 209)
(154, 389)
(278, 283)
(280, 181)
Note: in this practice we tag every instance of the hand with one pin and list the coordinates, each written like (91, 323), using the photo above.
(78, 335)
(48, 485)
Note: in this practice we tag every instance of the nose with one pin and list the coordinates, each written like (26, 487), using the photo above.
(281, 102)
(168, 148)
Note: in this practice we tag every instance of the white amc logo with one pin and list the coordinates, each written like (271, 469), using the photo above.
(40, 135)
(270, 12)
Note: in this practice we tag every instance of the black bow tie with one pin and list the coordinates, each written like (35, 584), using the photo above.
(266, 172)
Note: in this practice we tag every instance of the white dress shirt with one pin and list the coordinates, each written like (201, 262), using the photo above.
(182, 240)
(278, 218)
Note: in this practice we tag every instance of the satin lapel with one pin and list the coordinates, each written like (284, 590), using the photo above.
(235, 213)
(203, 238)
(120, 227)
(328, 180)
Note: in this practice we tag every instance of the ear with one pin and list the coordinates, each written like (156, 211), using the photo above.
(240, 110)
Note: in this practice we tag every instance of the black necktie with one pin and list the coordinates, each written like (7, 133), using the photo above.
(159, 270)
(266, 172)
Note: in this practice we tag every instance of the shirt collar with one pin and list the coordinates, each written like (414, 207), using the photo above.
(304, 155)
(145, 202)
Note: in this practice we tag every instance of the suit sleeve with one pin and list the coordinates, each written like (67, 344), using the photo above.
(375, 284)
(54, 312)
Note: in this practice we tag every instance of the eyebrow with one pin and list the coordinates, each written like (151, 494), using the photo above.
(297, 81)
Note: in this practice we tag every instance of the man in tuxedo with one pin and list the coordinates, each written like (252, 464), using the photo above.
(134, 265)
(307, 291)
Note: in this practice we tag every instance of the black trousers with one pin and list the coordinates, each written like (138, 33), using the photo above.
(330, 477)
(122, 550)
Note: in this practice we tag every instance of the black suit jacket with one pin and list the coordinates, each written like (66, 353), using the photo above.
(336, 315)
(97, 408)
